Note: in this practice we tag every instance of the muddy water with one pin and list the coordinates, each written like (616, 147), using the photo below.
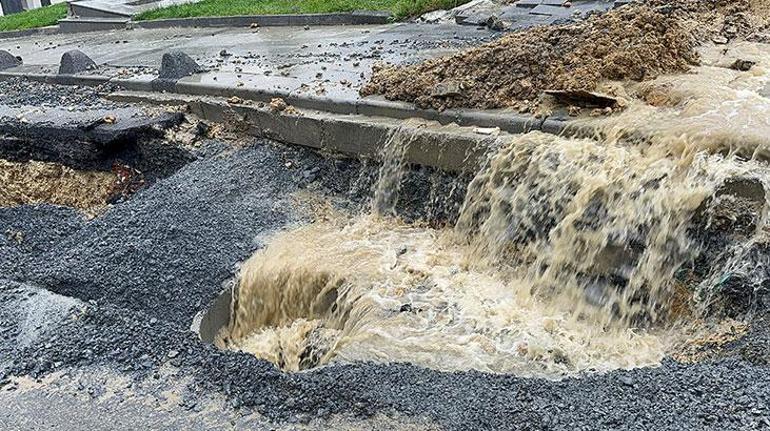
(565, 257)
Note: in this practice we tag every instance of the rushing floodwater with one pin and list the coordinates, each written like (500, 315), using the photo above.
(563, 259)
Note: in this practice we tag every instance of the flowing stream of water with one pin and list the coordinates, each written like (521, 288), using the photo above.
(567, 255)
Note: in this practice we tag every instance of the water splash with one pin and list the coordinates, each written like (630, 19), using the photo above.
(567, 255)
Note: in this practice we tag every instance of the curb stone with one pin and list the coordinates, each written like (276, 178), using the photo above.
(507, 121)
(345, 18)
(53, 29)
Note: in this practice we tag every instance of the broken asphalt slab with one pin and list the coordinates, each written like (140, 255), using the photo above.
(91, 139)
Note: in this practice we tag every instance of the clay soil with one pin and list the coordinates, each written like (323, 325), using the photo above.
(634, 42)
(52, 183)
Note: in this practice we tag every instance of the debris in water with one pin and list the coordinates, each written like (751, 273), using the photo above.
(582, 98)
(742, 65)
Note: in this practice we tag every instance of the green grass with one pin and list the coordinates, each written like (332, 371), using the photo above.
(399, 8)
(40, 17)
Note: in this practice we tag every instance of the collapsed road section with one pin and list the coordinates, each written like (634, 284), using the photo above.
(162, 269)
(134, 277)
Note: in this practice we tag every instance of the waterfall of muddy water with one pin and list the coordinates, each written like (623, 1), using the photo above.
(563, 259)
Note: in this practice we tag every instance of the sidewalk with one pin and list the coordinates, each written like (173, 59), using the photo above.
(332, 61)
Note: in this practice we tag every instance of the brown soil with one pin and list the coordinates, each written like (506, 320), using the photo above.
(38, 182)
(636, 42)
(710, 342)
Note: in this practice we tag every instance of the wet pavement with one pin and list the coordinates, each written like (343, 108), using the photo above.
(332, 60)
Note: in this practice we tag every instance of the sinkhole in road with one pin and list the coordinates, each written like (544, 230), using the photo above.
(567, 255)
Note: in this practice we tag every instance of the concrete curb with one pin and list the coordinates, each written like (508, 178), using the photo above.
(53, 29)
(84, 80)
(375, 107)
(320, 19)
(429, 143)
(345, 18)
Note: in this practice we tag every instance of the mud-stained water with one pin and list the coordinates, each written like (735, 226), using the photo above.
(568, 254)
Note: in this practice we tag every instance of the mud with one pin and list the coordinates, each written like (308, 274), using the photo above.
(636, 42)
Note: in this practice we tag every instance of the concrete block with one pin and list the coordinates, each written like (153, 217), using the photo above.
(8, 60)
(176, 64)
(75, 61)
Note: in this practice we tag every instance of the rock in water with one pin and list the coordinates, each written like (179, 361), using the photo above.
(177, 64)
(75, 61)
(742, 65)
(8, 60)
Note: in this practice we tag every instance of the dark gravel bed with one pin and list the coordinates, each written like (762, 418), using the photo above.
(727, 394)
(29, 231)
(150, 263)
(133, 279)
(18, 92)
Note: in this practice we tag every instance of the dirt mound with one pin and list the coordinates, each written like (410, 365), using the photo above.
(38, 182)
(637, 42)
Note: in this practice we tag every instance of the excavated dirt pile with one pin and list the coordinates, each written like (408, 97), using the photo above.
(637, 42)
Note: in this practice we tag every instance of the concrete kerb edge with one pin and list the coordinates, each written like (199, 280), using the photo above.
(88, 81)
(345, 18)
(508, 121)
(361, 136)
(53, 29)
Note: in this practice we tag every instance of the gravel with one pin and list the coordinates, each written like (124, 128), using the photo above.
(29, 231)
(18, 92)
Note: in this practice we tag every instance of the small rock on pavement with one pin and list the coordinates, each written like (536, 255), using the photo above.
(75, 61)
(8, 60)
(177, 64)
(626, 380)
